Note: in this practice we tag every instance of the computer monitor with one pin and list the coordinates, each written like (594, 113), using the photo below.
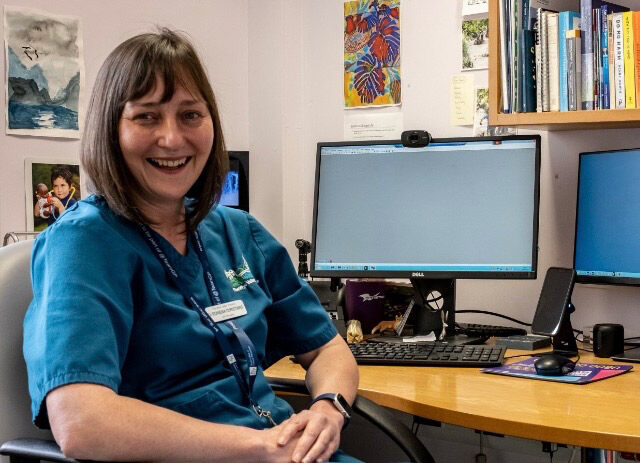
(457, 208)
(607, 241)
(235, 191)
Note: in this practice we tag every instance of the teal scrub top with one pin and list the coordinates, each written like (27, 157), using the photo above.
(105, 312)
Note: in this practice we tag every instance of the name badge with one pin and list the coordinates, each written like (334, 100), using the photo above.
(226, 311)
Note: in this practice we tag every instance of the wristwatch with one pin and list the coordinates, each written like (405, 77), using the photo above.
(339, 402)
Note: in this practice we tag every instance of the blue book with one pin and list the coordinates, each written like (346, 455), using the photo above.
(567, 20)
(528, 75)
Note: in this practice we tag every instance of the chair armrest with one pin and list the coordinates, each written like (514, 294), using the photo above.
(374, 413)
(27, 450)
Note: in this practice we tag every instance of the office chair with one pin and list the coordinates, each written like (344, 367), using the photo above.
(23, 443)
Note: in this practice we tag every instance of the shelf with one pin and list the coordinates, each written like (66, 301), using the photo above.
(571, 120)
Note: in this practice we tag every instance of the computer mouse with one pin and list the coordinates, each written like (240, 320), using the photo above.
(554, 365)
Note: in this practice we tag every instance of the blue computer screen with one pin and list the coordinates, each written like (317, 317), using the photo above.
(607, 244)
(231, 189)
(466, 208)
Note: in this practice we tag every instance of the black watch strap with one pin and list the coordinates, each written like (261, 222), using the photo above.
(339, 402)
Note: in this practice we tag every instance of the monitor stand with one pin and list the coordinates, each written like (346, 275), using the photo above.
(435, 310)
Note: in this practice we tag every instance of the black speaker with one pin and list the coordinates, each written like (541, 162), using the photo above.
(608, 339)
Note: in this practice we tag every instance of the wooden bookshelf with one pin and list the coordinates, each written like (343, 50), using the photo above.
(570, 120)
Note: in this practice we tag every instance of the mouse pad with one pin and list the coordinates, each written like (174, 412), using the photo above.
(583, 373)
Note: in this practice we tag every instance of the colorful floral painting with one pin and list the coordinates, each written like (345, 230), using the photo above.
(372, 53)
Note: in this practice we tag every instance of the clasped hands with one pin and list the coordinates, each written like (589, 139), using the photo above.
(309, 436)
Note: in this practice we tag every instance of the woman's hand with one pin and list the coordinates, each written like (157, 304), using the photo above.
(317, 431)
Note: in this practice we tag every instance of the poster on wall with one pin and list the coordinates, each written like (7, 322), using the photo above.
(474, 8)
(481, 127)
(372, 53)
(475, 44)
(51, 186)
(44, 78)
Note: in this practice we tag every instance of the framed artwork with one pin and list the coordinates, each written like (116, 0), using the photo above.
(44, 76)
(372, 53)
(51, 187)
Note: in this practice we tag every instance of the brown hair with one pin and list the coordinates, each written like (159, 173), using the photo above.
(130, 72)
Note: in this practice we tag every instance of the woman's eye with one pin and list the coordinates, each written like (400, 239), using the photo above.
(143, 117)
(192, 115)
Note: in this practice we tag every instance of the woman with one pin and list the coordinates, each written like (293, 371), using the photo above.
(129, 362)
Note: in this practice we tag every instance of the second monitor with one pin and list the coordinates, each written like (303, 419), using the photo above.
(457, 208)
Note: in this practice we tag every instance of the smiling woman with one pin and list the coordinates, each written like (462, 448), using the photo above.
(157, 346)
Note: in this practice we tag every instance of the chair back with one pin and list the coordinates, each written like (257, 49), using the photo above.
(15, 296)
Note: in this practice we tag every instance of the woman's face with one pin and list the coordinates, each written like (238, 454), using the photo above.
(166, 145)
(60, 187)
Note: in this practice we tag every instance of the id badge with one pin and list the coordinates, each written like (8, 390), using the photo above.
(227, 311)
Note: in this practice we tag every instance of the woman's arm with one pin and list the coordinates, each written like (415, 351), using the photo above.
(92, 422)
(330, 368)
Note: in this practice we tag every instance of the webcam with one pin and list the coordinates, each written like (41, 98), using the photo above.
(415, 138)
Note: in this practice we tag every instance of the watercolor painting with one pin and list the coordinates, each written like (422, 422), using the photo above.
(43, 53)
(475, 44)
(372, 53)
(51, 186)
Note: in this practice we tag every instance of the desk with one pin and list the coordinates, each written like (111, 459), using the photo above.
(604, 414)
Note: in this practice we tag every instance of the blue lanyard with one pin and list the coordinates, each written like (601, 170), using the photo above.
(246, 385)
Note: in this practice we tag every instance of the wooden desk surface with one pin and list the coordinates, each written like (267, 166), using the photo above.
(604, 414)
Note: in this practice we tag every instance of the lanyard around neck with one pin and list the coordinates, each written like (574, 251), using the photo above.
(246, 385)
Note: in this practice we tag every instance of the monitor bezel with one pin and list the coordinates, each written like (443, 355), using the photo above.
(599, 279)
(243, 171)
(430, 275)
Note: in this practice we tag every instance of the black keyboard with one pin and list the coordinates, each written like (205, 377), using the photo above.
(487, 331)
(427, 354)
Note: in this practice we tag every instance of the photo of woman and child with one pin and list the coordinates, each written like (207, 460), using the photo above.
(56, 188)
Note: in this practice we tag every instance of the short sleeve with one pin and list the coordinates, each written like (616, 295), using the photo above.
(297, 322)
(77, 327)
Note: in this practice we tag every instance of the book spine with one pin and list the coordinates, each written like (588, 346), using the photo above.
(604, 66)
(618, 60)
(538, 51)
(578, 61)
(597, 51)
(586, 20)
(570, 46)
(612, 87)
(629, 70)
(504, 77)
(636, 53)
(545, 61)
(515, 64)
(529, 74)
(554, 76)
(567, 20)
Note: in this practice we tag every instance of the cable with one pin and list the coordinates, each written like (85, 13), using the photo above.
(486, 312)
(573, 453)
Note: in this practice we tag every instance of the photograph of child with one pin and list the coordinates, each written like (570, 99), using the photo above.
(52, 188)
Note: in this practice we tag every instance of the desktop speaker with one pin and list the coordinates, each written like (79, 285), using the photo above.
(608, 339)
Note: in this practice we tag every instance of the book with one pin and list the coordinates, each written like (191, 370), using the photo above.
(567, 20)
(604, 58)
(544, 57)
(597, 59)
(629, 62)
(528, 72)
(618, 60)
(574, 72)
(586, 21)
(612, 87)
(636, 53)
(554, 76)
(538, 51)
(583, 373)
(504, 53)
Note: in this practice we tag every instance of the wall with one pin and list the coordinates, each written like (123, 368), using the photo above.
(431, 54)
(219, 31)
